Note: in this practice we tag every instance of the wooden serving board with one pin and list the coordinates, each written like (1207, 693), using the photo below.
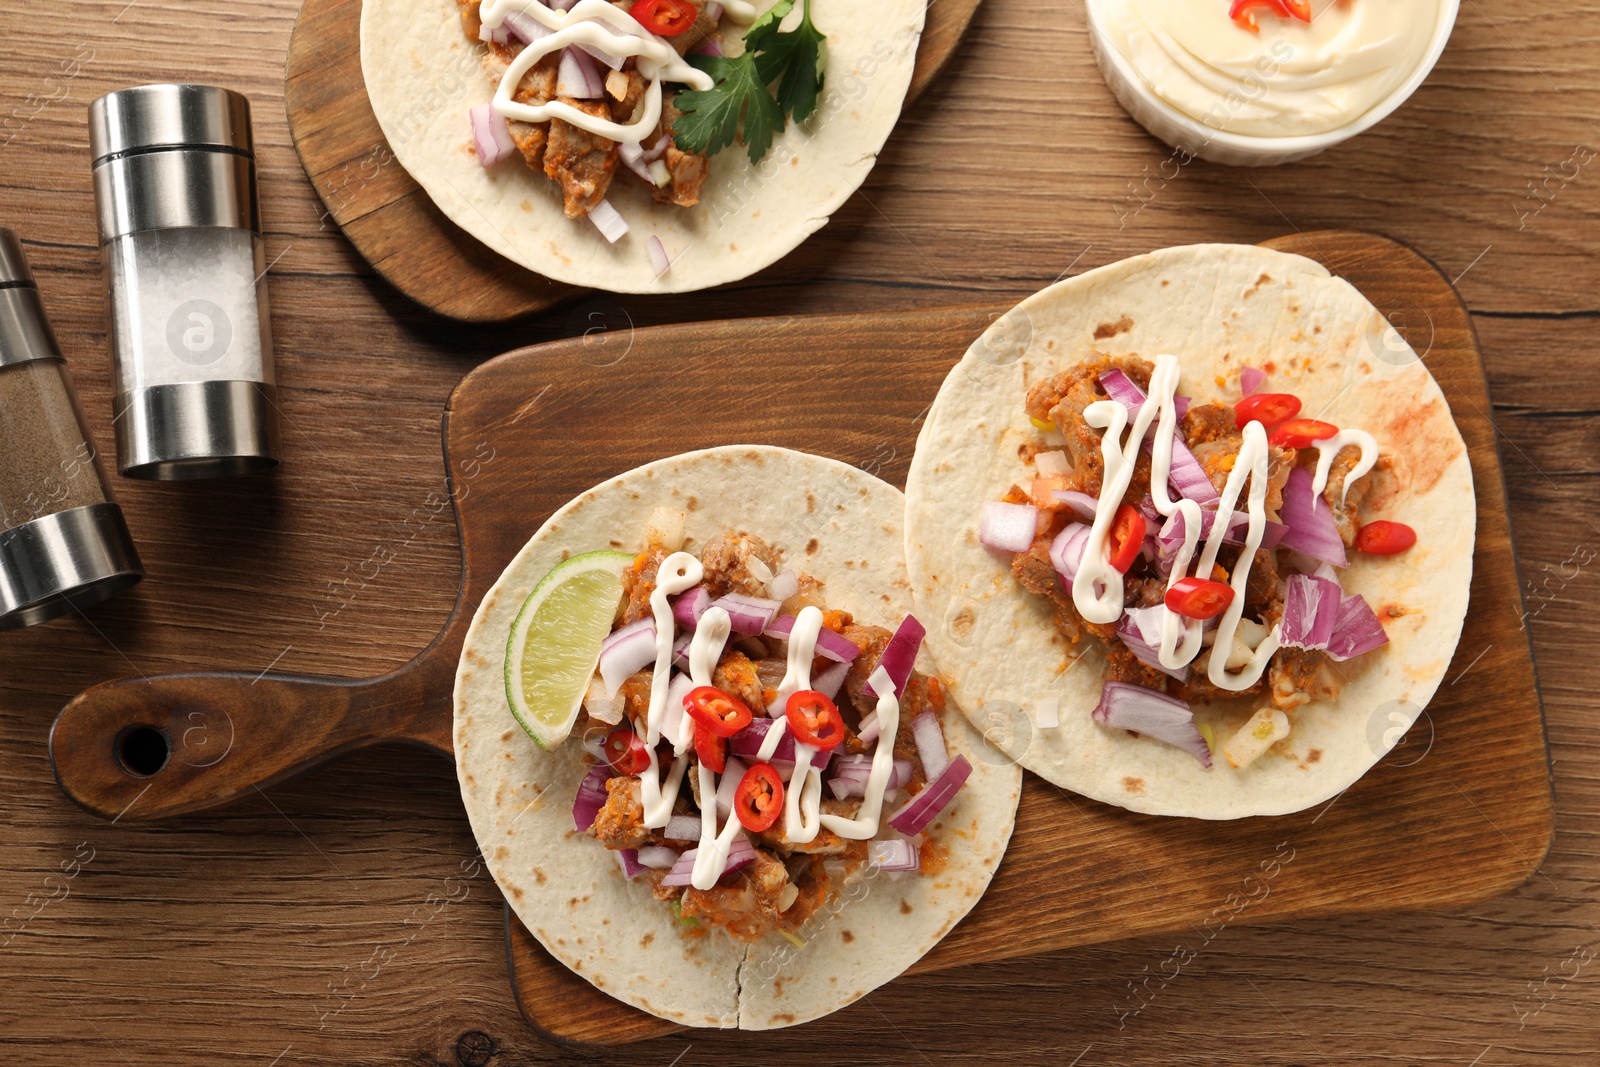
(387, 216)
(1460, 812)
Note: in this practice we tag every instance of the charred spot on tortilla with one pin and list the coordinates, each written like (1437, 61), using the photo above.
(1264, 279)
(846, 936)
(1133, 785)
(1111, 329)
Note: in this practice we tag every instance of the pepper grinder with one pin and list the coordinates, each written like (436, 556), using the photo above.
(180, 230)
(64, 544)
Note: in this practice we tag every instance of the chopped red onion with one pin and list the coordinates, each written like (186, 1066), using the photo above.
(748, 614)
(923, 808)
(659, 149)
(1171, 534)
(930, 744)
(747, 743)
(870, 728)
(673, 714)
(784, 585)
(1123, 390)
(628, 860)
(658, 252)
(740, 852)
(829, 680)
(732, 775)
(682, 828)
(689, 606)
(1140, 630)
(578, 77)
(1310, 522)
(1186, 474)
(1356, 630)
(1008, 527)
(1251, 380)
(625, 652)
(899, 656)
(1053, 464)
(711, 46)
(591, 796)
(632, 157)
(1145, 711)
(894, 854)
(490, 135)
(830, 645)
(501, 34)
(680, 651)
(612, 226)
(524, 27)
(1310, 609)
(714, 11)
(656, 857)
(1080, 504)
(605, 55)
(1066, 552)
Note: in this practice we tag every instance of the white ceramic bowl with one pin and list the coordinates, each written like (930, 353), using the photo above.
(1239, 150)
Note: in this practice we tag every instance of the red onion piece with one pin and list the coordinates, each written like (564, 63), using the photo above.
(711, 46)
(1122, 389)
(1186, 474)
(714, 11)
(632, 157)
(656, 857)
(747, 743)
(500, 34)
(1132, 707)
(748, 614)
(680, 651)
(524, 27)
(658, 251)
(682, 828)
(625, 652)
(923, 808)
(578, 77)
(1140, 630)
(1356, 630)
(899, 656)
(870, 728)
(1310, 610)
(659, 149)
(591, 796)
(1066, 551)
(604, 55)
(689, 606)
(930, 744)
(490, 135)
(628, 860)
(829, 680)
(784, 585)
(1080, 504)
(1052, 464)
(830, 645)
(1310, 521)
(1008, 527)
(1251, 379)
(1171, 534)
(729, 784)
(740, 852)
(672, 715)
(894, 854)
(612, 226)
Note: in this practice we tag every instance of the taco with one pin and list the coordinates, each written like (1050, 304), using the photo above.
(765, 807)
(702, 140)
(1209, 447)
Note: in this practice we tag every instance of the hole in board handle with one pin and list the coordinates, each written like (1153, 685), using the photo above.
(143, 751)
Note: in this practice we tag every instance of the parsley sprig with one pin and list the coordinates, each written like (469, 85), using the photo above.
(794, 59)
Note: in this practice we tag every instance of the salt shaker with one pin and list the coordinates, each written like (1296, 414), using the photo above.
(64, 544)
(180, 230)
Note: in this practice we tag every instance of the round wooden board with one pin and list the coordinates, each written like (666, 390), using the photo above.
(387, 216)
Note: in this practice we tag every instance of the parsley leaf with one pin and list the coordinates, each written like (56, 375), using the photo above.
(795, 59)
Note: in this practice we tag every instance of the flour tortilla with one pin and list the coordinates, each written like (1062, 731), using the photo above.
(422, 75)
(566, 887)
(1218, 308)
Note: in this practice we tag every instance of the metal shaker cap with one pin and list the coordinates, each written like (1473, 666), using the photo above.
(169, 116)
(25, 332)
(14, 268)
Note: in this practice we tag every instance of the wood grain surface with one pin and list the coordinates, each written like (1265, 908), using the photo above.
(341, 919)
(387, 216)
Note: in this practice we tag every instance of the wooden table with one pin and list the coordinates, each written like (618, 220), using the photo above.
(322, 922)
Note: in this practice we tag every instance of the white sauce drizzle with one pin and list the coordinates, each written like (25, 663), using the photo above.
(1328, 450)
(865, 824)
(1251, 464)
(802, 800)
(658, 62)
(1181, 638)
(704, 650)
(677, 573)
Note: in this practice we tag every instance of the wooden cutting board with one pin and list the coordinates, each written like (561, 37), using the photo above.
(1461, 811)
(388, 217)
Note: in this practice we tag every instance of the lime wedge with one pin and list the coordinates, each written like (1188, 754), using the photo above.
(555, 642)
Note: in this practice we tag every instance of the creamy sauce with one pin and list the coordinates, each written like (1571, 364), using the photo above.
(865, 824)
(1328, 451)
(1291, 78)
(1251, 465)
(658, 62)
(677, 573)
(704, 650)
(802, 799)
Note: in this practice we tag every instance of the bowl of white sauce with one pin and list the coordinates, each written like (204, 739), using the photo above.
(1212, 87)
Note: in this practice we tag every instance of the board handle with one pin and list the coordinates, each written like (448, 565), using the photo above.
(139, 749)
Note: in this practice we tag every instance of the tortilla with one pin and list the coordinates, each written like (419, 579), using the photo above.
(422, 75)
(837, 524)
(1218, 308)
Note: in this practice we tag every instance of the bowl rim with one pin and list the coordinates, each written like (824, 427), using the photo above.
(1449, 10)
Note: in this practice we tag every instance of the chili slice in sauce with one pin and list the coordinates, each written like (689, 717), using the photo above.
(1300, 433)
(1268, 409)
(1127, 537)
(721, 713)
(1384, 538)
(814, 719)
(711, 750)
(665, 17)
(625, 752)
(759, 799)
(1199, 598)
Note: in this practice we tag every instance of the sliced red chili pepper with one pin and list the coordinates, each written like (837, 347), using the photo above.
(1268, 409)
(759, 799)
(1127, 537)
(665, 17)
(1199, 598)
(711, 750)
(625, 752)
(722, 713)
(814, 719)
(1385, 538)
(1299, 433)
(1240, 12)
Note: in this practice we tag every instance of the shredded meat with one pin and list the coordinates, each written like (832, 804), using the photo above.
(638, 582)
(1062, 400)
(1346, 516)
(871, 640)
(688, 169)
(726, 558)
(826, 843)
(1298, 676)
(620, 823)
(580, 162)
(747, 907)
(736, 674)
